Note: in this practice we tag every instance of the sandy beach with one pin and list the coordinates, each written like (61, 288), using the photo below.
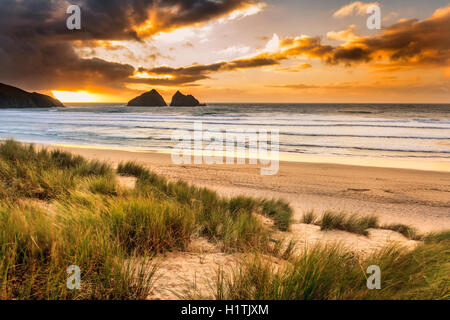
(413, 197)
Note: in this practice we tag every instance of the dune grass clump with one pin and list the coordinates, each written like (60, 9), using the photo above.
(131, 169)
(241, 203)
(351, 223)
(230, 221)
(309, 217)
(433, 237)
(150, 183)
(105, 185)
(80, 165)
(316, 274)
(26, 172)
(357, 224)
(408, 231)
(36, 249)
(146, 225)
(423, 273)
(331, 272)
(243, 232)
(279, 210)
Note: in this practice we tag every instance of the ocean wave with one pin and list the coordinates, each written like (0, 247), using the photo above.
(308, 130)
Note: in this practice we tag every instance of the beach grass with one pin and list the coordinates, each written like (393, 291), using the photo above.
(309, 217)
(58, 210)
(443, 236)
(354, 223)
(279, 210)
(50, 218)
(230, 221)
(150, 226)
(333, 273)
(131, 169)
(36, 250)
(407, 231)
(347, 222)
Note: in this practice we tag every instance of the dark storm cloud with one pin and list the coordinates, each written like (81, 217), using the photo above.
(109, 19)
(37, 50)
(47, 64)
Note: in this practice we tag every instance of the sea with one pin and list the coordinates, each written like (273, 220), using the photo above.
(393, 131)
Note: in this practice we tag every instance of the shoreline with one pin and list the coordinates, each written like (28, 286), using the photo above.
(394, 163)
(397, 195)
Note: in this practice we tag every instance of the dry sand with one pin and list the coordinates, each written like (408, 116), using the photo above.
(413, 197)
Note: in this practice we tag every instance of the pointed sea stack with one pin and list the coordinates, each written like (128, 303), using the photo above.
(12, 97)
(181, 100)
(148, 99)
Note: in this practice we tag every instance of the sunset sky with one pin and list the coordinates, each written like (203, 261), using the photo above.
(229, 50)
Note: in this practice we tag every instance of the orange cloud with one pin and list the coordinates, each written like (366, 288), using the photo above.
(178, 76)
(296, 68)
(347, 35)
(403, 45)
(183, 13)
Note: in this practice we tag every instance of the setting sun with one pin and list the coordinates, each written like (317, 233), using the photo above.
(75, 96)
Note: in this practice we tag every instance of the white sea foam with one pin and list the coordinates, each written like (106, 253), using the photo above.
(395, 131)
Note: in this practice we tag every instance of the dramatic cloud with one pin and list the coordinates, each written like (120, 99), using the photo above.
(412, 42)
(37, 50)
(423, 43)
(113, 19)
(354, 8)
(179, 76)
(409, 42)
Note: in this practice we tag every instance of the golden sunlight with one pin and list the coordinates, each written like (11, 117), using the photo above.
(75, 96)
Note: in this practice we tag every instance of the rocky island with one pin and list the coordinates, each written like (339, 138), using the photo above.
(148, 99)
(12, 97)
(181, 100)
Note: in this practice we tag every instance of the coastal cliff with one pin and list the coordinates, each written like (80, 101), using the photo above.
(12, 97)
(148, 99)
(181, 100)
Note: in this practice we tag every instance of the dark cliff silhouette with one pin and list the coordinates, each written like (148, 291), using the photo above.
(181, 100)
(12, 97)
(148, 99)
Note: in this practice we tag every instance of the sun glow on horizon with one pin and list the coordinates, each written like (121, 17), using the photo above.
(76, 96)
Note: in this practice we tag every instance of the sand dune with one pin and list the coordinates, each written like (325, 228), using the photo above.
(414, 197)
(418, 198)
